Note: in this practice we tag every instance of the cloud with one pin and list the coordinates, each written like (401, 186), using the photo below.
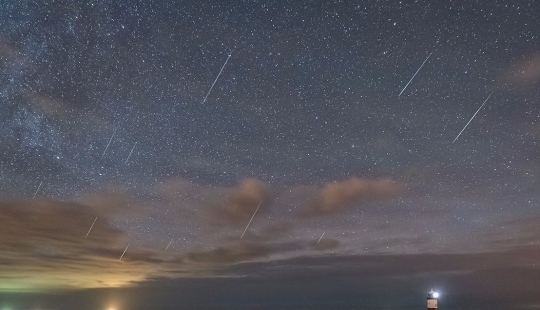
(497, 280)
(213, 209)
(44, 241)
(242, 203)
(228, 254)
(43, 244)
(523, 74)
(325, 244)
(112, 200)
(239, 252)
(336, 197)
(45, 238)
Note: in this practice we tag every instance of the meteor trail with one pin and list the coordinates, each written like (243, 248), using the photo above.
(472, 117)
(130, 153)
(217, 77)
(320, 238)
(91, 227)
(37, 189)
(251, 219)
(169, 245)
(114, 131)
(414, 75)
(124, 251)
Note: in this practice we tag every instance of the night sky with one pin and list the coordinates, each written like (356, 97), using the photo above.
(377, 149)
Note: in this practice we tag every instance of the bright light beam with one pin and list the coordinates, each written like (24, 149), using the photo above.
(217, 77)
(472, 117)
(91, 227)
(414, 75)
(251, 219)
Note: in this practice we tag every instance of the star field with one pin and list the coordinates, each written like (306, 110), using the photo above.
(170, 121)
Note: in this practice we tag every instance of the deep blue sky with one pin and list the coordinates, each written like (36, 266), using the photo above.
(104, 120)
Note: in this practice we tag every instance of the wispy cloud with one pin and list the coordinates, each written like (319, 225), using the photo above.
(43, 243)
(242, 202)
(337, 197)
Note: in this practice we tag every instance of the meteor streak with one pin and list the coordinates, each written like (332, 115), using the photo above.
(472, 117)
(37, 189)
(168, 245)
(114, 131)
(91, 227)
(414, 75)
(320, 238)
(130, 153)
(251, 219)
(124, 252)
(217, 77)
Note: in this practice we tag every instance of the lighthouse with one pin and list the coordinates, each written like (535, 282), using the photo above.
(432, 300)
